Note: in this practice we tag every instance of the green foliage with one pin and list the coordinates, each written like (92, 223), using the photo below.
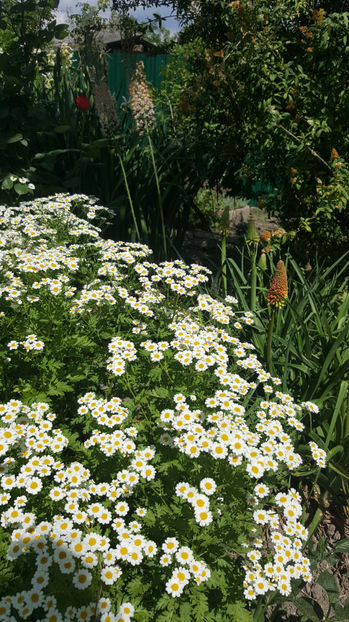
(88, 427)
(7, 574)
(19, 187)
(209, 206)
(192, 94)
(26, 29)
(264, 95)
(309, 349)
(161, 182)
(308, 608)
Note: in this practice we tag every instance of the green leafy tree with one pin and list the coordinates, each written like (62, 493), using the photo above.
(264, 93)
(26, 29)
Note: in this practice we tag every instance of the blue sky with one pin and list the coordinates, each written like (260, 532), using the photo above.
(141, 14)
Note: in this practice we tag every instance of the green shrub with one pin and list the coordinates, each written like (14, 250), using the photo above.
(26, 30)
(145, 452)
(263, 101)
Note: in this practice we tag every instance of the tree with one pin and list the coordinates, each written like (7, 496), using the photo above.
(26, 29)
(124, 6)
(266, 90)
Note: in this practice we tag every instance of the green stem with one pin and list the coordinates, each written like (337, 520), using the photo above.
(99, 589)
(317, 517)
(165, 368)
(269, 341)
(253, 278)
(137, 401)
(158, 193)
(129, 197)
(162, 498)
(314, 483)
(224, 263)
(259, 612)
(127, 378)
(346, 414)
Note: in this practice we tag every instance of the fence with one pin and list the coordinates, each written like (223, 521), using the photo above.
(121, 67)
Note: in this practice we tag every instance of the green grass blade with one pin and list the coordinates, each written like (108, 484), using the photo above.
(235, 270)
(340, 399)
(331, 355)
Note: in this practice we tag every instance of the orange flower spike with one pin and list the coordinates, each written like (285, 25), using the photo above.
(278, 290)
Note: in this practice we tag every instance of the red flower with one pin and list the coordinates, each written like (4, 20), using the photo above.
(82, 102)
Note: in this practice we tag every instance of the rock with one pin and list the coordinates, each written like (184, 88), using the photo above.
(204, 246)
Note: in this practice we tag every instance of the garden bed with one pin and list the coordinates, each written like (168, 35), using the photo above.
(147, 453)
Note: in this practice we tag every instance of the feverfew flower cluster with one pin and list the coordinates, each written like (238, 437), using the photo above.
(31, 342)
(178, 382)
(121, 351)
(81, 501)
(288, 560)
(199, 501)
(261, 451)
(31, 428)
(319, 455)
(221, 312)
(174, 554)
(32, 601)
(224, 434)
(156, 349)
(181, 575)
(109, 413)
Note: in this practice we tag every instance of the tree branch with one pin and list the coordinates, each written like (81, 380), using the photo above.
(314, 153)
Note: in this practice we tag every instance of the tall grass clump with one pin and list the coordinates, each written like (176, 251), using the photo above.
(145, 451)
(302, 330)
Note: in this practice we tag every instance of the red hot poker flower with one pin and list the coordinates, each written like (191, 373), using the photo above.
(82, 102)
(278, 290)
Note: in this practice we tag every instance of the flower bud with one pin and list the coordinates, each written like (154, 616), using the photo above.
(262, 263)
(224, 222)
(252, 236)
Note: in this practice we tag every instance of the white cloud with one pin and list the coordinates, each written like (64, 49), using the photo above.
(71, 6)
(64, 5)
(61, 17)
